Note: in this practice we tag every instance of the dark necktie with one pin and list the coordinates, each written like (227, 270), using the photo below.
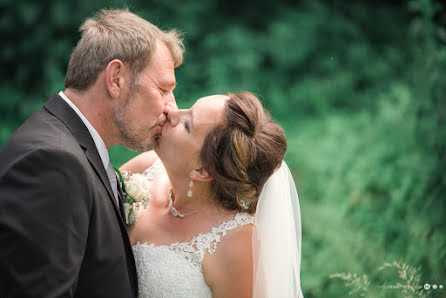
(121, 200)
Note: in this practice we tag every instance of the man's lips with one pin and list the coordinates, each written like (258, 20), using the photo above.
(161, 126)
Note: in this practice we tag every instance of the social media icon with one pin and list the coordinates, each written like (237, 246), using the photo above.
(434, 287)
(427, 286)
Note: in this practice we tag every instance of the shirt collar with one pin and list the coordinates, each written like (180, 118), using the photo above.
(100, 145)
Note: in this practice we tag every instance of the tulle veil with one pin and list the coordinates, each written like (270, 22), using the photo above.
(276, 238)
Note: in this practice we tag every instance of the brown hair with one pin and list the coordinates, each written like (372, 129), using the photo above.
(117, 34)
(243, 152)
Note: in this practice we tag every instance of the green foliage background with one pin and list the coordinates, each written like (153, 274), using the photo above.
(359, 87)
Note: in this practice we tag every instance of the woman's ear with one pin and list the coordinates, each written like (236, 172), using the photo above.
(200, 175)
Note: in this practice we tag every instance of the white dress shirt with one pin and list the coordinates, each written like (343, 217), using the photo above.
(100, 146)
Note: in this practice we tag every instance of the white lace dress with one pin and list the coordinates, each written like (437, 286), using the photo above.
(175, 271)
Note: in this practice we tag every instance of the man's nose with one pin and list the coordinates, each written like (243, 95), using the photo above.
(168, 108)
(170, 104)
(171, 100)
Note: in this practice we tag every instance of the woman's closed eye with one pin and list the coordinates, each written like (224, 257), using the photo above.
(186, 126)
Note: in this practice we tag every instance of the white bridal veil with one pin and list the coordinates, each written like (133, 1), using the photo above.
(277, 238)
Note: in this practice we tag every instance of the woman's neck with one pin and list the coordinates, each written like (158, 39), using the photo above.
(201, 197)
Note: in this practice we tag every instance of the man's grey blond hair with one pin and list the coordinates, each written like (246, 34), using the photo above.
(117, 34)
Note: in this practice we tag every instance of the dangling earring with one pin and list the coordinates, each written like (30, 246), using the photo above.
(189, 192)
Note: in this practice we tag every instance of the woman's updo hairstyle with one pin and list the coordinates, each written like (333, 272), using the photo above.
(243, 152)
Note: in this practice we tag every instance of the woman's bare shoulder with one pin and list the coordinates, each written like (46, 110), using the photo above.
(229, 270)
(140, 163)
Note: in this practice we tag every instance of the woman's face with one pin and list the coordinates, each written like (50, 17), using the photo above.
(183, 135)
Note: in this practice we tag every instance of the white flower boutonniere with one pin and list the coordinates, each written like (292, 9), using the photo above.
(136, 188)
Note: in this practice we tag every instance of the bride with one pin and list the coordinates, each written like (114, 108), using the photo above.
(223, 218)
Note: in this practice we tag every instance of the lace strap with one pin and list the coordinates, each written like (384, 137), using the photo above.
(195, 250)
(155, 167)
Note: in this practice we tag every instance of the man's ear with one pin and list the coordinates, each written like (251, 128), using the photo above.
(200, 175)
(116, 77)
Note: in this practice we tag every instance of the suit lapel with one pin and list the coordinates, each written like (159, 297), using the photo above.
(59, 108)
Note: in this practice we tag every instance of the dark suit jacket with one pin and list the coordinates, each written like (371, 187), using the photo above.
(61, 232)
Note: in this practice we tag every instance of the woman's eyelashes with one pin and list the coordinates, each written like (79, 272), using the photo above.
(186, 126)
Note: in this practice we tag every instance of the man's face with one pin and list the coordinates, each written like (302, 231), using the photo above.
(141, 116)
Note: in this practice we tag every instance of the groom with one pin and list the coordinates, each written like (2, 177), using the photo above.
(61, 228)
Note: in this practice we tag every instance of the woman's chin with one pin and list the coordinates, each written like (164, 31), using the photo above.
(158, 139)
(159, 145)
(157, 148)
(162, 148)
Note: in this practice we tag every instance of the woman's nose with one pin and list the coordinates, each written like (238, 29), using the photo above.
(174, 116)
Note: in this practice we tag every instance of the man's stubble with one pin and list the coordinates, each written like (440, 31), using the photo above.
(133, 138)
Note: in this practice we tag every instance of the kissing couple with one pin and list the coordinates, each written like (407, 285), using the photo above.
(223, 219)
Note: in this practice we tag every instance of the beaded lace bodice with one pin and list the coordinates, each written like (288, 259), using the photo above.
(176, 270)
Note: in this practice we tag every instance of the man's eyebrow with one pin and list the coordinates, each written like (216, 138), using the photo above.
(167, 84)
(171, 84)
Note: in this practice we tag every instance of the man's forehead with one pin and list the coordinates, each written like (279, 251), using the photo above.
(163, 56)
(168, 80)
